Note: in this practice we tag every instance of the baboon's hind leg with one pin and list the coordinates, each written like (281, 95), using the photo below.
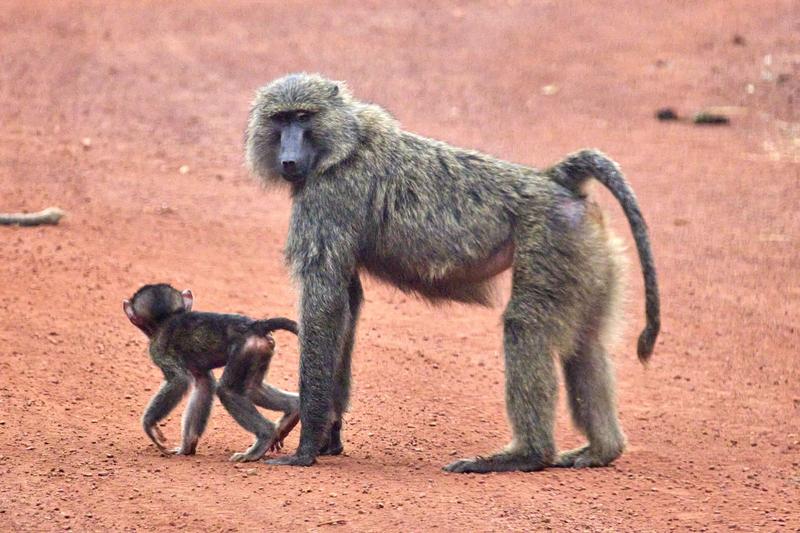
(529, 336)
(588, 370)
(589, 378)
(531, 389)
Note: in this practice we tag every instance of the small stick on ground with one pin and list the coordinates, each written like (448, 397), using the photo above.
(51, 215)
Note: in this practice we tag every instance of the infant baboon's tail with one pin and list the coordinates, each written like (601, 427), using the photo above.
(262, 327)
(572, 173)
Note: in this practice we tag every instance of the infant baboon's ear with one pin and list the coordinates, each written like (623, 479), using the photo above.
(127, 306)
(188, 299)
(135, 319)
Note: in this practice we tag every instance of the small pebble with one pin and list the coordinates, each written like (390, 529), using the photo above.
(549, 90)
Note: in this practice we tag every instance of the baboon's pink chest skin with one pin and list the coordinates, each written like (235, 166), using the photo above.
(498, 262)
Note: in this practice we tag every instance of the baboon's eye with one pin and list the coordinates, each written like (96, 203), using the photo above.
(280, 118)
(303, 116)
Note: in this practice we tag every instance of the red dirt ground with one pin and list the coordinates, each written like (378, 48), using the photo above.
(714, 422)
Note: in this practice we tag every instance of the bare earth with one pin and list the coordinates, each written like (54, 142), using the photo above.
(100, 107)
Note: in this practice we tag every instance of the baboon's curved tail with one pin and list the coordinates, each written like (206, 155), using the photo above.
(262, 327)
(572, 172)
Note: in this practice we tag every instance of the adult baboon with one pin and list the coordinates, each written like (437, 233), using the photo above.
(441, 222)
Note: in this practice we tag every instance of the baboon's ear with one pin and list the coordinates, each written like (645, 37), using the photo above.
(127, 306)
(334, 90)
(188, 299)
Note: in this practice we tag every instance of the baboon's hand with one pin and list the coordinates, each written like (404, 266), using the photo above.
(158, 439)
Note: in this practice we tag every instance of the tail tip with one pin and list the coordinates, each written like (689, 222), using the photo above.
(647, 341)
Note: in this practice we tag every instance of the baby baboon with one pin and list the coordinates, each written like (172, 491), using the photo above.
(442, 222)
(186, 345)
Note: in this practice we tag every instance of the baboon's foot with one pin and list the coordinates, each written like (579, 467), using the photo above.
(587, 456)
(333, 446)
(501, 462)
(245, 457)
(331, 449)
(292, 460)
(253, 453)
(183, 451)
(187, 447)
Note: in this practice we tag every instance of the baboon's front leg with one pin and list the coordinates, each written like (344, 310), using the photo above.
(163, 402)
(195, 417)
(322, 327)
(342, 380)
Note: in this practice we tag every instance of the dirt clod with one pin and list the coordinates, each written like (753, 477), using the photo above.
(666, 113)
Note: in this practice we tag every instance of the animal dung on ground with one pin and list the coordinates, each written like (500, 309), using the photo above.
(710, 118)
(666, 113)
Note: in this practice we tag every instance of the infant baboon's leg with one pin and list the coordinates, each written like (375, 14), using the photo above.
(195, 416)
(176, 383)
(246, 366)
(275, 399)
(589, 378)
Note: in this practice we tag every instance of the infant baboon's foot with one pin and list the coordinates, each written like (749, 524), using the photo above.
(245, 457)
(287, 422)
(587, 456)
(188, 446)
(501, 462)
(254, 452)
(183, 451)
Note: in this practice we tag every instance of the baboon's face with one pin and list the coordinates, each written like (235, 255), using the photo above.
(300, 126)
(293, 140)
